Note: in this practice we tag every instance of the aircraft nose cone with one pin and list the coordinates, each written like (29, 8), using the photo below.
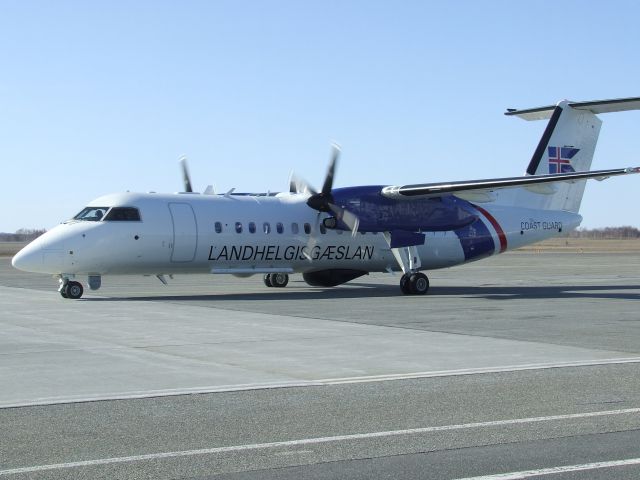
(35, 259)
(27, 260)
(45, 254)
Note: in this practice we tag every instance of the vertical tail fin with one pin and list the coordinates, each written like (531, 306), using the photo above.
(567, 144)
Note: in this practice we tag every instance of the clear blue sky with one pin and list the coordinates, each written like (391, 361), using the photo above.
(104, 96)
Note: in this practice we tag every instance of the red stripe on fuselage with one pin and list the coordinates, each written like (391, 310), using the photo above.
(501, 236)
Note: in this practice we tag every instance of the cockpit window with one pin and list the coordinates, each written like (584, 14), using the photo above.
(91, 214)
(123, 214)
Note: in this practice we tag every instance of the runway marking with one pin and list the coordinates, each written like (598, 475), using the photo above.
(556, 470)
(478, 371)
(312, 383)
(316, 441)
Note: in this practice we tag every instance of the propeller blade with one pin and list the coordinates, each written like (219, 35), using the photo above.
(313, 239)
(328, 181)
(351, 221)
(348, 218)
(293, 186)
(321, 201)
(185, 174)
(300, 185)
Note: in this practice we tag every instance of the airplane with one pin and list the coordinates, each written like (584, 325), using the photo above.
(334, 235)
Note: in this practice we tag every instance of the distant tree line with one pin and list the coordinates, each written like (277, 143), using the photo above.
(614, 233)
(22, 235)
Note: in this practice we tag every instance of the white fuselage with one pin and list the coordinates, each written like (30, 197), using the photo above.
(242, 235)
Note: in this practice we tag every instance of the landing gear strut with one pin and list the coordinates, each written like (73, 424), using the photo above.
(71, 289)
(412, 282)
(278, 280)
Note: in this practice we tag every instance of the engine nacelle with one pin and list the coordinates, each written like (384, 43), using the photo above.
(331, 278)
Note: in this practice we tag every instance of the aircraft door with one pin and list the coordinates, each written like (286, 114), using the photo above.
(185, 232)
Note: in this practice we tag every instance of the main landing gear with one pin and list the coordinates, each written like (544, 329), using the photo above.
(70, 289)
(278, 280)
(414, 284)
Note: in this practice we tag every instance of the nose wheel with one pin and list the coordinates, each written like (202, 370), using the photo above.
(414, 284)
(71, 289)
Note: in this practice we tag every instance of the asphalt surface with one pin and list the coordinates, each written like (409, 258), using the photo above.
(521, 363)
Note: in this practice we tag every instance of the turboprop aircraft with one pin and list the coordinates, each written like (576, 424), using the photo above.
(333, 236)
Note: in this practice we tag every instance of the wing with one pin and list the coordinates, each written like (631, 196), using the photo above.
(534, 183)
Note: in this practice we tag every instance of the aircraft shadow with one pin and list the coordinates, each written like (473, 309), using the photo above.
(356, 290)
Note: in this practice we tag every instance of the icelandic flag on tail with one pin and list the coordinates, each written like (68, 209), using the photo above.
(560, 159)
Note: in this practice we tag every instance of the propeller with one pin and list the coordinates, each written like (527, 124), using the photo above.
(185, 174)
(323, 201)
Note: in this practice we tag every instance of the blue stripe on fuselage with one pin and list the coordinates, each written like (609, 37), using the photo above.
(476, 240)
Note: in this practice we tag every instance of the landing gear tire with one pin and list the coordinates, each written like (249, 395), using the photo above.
(419, 283)
(63, 292)
(414, 284)
(267, 280)
(279, 280)
(73, 290)
(404, 285)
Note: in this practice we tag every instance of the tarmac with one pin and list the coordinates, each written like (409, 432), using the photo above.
(525, 362)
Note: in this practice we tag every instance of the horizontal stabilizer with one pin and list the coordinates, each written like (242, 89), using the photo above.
(595, 106)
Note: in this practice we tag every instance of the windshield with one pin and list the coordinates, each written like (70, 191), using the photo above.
(126, 214)
(91, 214)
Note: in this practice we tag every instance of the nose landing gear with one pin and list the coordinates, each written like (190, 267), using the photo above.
(70, 289)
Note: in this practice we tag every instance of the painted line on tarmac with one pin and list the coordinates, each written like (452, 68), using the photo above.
(136, 395)
(481, 370)
(315, 441)
(557, 470)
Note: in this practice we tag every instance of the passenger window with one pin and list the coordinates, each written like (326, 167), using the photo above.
(218, 227)
(266, 227)
(307, 228)
(123, 214)
(238, 227)
(252, 227)
(279, 227)
(294, 228)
